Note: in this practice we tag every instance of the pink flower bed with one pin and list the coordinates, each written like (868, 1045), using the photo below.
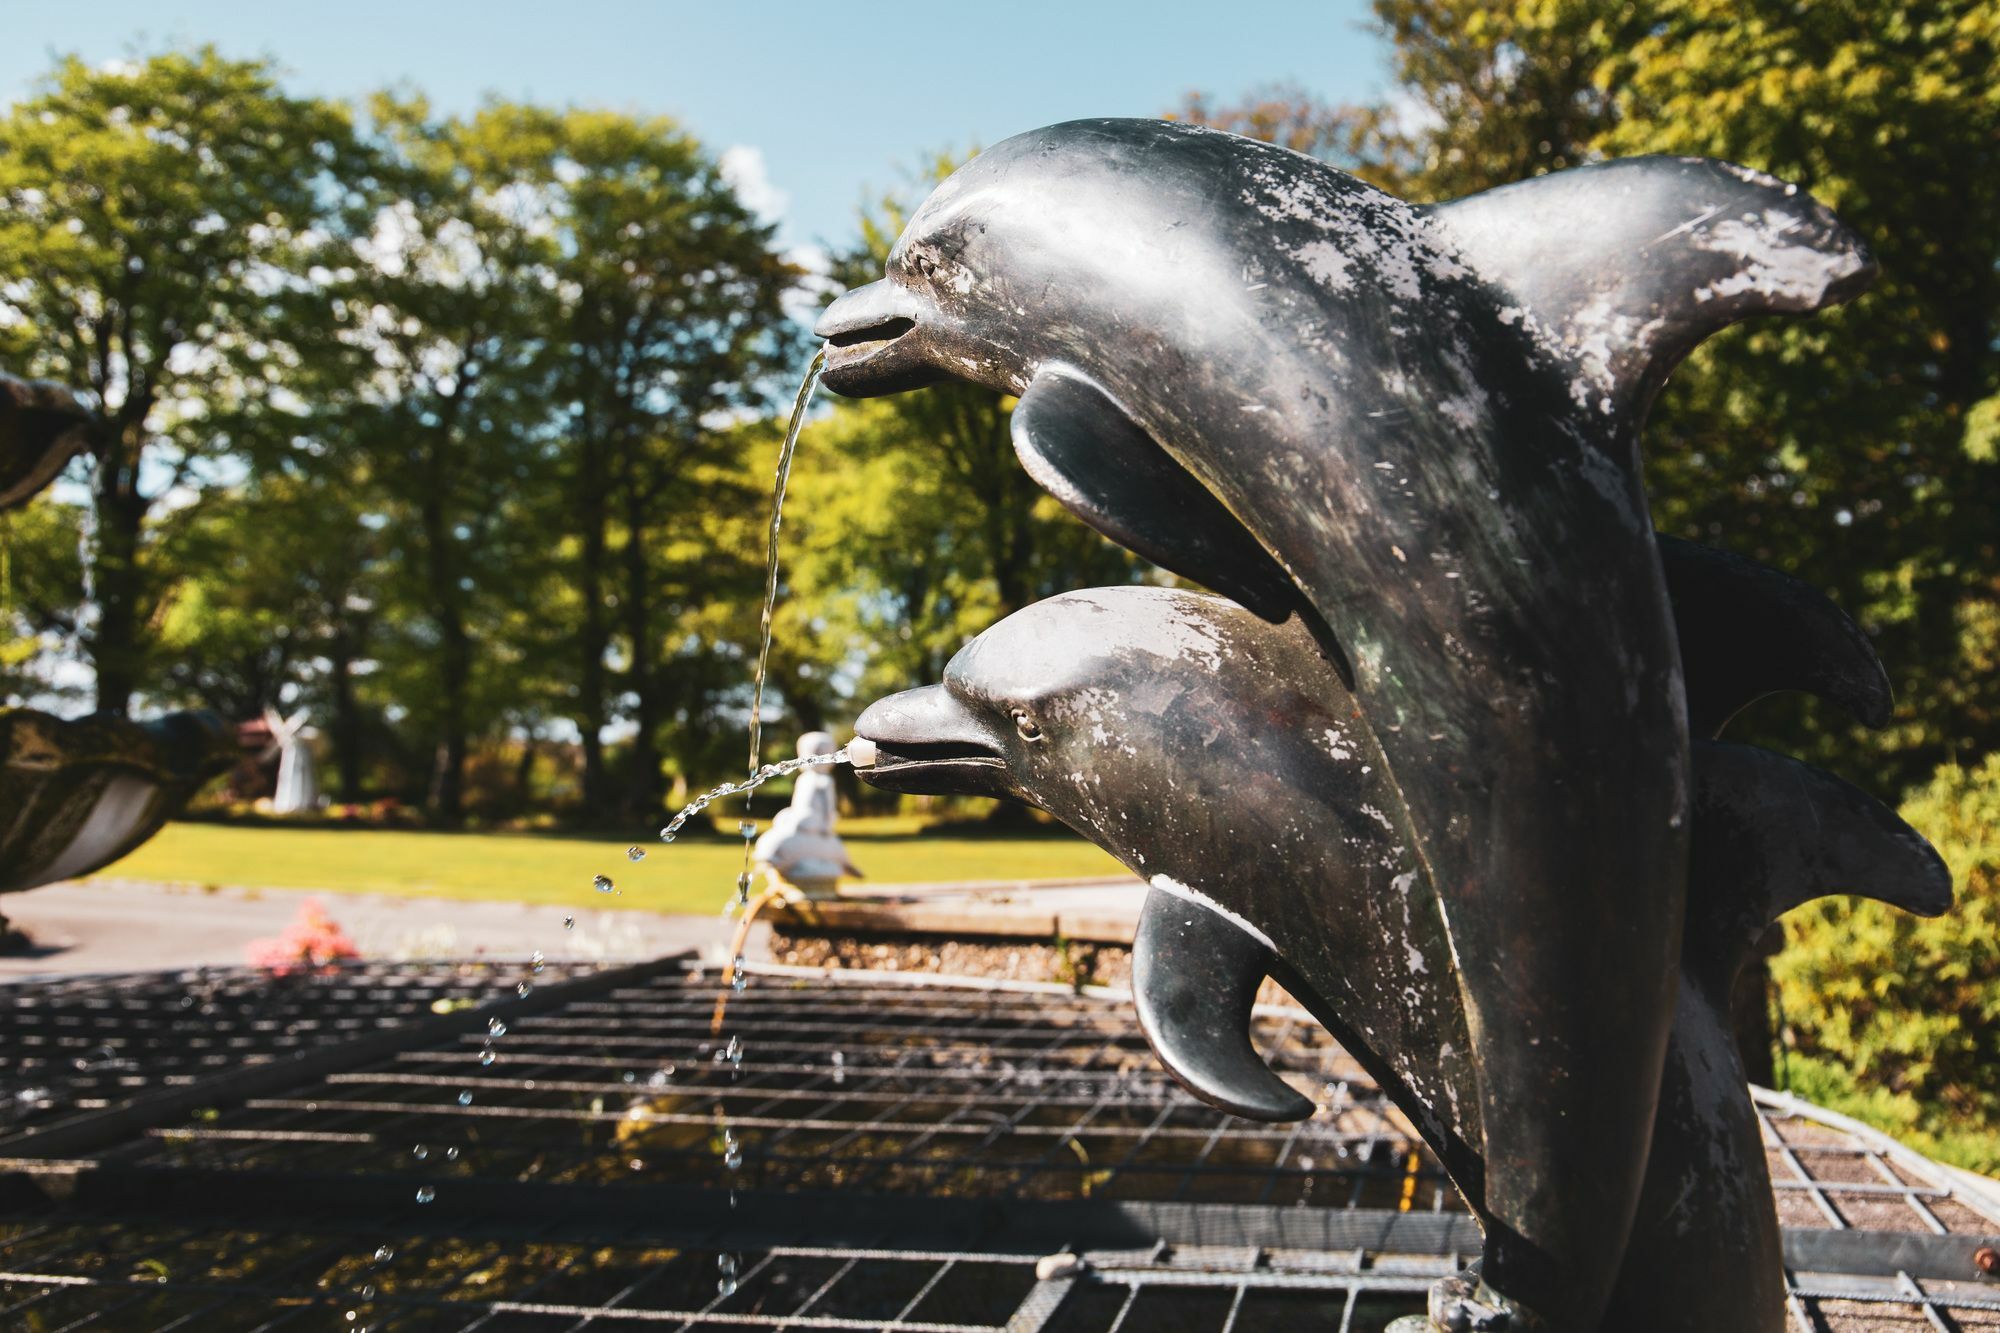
(313, 941)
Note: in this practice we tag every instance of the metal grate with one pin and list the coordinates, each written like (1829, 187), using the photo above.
(882, 1153)
(84, 1043)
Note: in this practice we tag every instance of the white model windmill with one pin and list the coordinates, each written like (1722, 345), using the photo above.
(298, 780)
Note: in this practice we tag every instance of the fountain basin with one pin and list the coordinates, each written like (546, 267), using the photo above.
(78, 795)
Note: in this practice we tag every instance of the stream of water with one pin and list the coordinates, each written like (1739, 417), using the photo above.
(757, 772)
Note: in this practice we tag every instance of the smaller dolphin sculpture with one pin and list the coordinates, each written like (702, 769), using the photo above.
(1215, 755)
(1416, 428)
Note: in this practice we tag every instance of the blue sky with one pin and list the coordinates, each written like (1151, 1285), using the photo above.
(835, 100)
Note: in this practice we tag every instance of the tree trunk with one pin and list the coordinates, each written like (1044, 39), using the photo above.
(592, 515)
(644, 794)
(524, 771)
(346, 720)
(115, 578)
(454, 656)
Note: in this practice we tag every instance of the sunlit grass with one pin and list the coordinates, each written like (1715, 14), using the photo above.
(556, 869)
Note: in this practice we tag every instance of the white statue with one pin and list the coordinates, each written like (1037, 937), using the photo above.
(800, 850)
(298, 780)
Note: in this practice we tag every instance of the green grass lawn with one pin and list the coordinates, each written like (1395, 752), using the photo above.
(557, 868)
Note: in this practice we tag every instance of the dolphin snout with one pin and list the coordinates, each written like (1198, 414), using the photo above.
(928, 742)
(869, 344)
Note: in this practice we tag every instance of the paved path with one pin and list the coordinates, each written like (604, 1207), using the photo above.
(118, 927)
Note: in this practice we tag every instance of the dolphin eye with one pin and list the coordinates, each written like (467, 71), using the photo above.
(926, 266)
(1026, 726)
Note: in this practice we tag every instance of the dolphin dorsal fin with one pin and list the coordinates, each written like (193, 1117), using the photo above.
(1771, 833)
(1626, 266)
(1747, 630)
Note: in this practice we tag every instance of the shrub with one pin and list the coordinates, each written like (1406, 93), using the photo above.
(1904, 1006)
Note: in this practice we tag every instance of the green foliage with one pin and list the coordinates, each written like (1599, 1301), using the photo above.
(158, 221)
(41, 590)
(1909, 1009)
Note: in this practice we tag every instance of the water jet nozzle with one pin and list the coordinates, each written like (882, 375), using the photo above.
(861, 752)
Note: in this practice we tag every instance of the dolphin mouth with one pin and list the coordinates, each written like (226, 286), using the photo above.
(872, 343)
(943, 760)
(929, 744)
(858, 343)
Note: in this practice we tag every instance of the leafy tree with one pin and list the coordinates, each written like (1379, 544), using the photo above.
(157, 221)
(41, 593)
(274, 605)
(671, 293)
(1900, 1017)
(446, 312)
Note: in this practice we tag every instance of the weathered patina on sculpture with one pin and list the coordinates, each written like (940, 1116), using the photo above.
(1416, 429)
(77, 795)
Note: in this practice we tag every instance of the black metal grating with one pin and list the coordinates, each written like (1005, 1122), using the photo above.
(83, 1043)
(905, 1155)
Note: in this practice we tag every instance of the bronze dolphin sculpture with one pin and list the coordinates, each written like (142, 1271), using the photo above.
(1417, 428)
(1197, 744)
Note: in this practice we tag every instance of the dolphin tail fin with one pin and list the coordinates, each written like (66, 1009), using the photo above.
(1628, 265)
(1747, 630)
(1770, 834)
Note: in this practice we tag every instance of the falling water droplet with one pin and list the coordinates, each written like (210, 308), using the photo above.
(486, 1056)
(839, 1067)
(425, 1194)
(733, 1158)
(384, 1253)
(569, 923)
(524, 988)
(421, 1151)
(739, 980)
(748, 828)
(735, 1050)
(635, 853)
(451, 1154)
(465, 1098)
(602, 883)
(536, 962)
(495, 1028)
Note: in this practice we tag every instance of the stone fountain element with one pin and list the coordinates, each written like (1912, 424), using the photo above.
(42, 427)
(80, 794)
(800, 852)
(77, 795)
(1412, 432)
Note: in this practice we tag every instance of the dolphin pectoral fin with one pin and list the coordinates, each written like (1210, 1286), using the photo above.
(1195, 975)
(1771, 833)
(1629, 264)
(1747, 630)
(1083, 448)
